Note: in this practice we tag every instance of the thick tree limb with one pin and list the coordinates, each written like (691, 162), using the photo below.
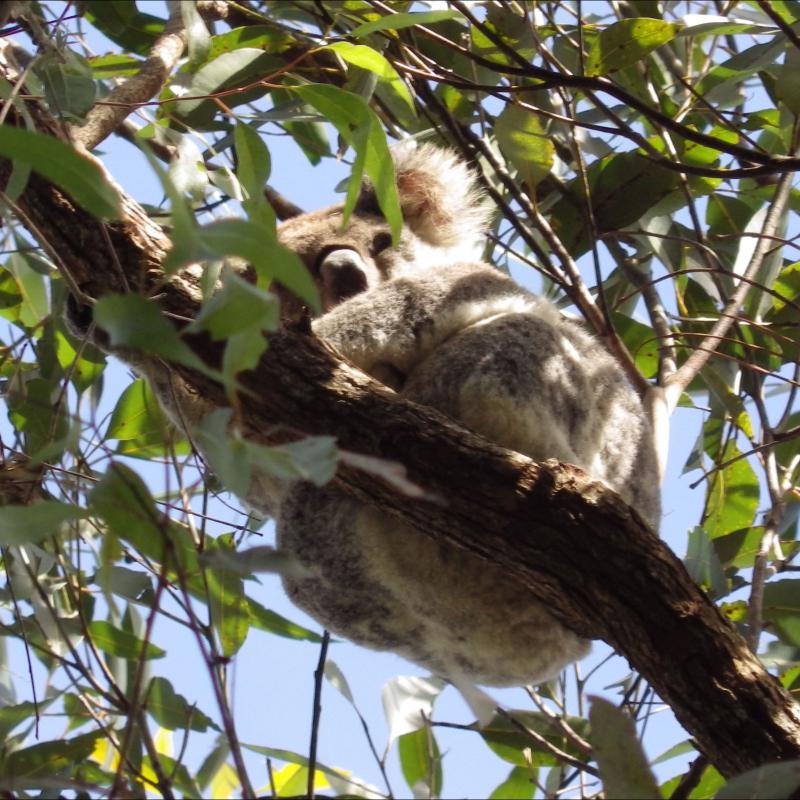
(567, 539)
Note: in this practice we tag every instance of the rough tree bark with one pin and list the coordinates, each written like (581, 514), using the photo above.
(592, 560)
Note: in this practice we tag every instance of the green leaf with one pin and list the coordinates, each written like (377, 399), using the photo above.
(13, 715)
(137, 415)
(133, 321)
(226, 453)
(703, 564)
(121, 22)
(787, 85)
(69, 84)
(49, 758)
(366, 58)
(238, 305)
(57, 162)
(211, 76)
(396, 22)
(249, 241)
(421, 762)
(125, 503)
(197, 35)
(782, 609)
(640, 341)
(775, 781)
(252, 161)
(509, 743)
(230, 612)
(525, 143)
(27, 524)
(520, 783)
(360, 127)
(619, 754)
(173, 711)
(84, 367)
(733, 495)
(625, 42)
(35, 304)
(116, 642)
(266, 620)
(114, 65)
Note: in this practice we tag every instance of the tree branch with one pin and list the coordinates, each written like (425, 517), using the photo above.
(568, 540)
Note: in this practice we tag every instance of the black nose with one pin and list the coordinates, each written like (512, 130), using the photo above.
(343, 275)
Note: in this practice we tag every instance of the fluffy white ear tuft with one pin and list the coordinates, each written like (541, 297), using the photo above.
(439, 196)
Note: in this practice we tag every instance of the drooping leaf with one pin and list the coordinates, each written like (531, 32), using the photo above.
(782, 609)
(408, 702)
(76, 174)
(733, 495)
(421, 762)
(360, 127)
(619, 754)
(230, 613)
(525, 143)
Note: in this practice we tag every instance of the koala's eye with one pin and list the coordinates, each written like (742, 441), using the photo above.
(381, 242)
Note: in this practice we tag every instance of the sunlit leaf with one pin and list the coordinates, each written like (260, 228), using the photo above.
(396, 22)
(733, 495)
(525, 143)
(360, 127)
(117, 642)
(421, 762)
(625, 42)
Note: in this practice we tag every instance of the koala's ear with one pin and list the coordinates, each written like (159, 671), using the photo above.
(439, 196)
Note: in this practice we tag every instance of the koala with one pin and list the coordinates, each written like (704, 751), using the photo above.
(443, 329)
(426, 317)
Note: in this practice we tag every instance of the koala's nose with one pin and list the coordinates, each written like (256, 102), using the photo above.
(343, 274)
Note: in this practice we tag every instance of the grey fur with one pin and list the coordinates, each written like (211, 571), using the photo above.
(463, 338)
(457, 335)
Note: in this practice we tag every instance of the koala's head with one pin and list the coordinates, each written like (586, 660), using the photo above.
(444, 218)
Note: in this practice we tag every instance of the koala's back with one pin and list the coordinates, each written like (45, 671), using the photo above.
(526, 379)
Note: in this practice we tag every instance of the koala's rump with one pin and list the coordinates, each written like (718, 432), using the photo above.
(385, 585)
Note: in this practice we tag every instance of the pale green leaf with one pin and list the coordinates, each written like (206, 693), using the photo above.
(733, 495)
(619, 754)
(27, 524)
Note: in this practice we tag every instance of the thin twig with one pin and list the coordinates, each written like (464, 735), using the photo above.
(319, 675)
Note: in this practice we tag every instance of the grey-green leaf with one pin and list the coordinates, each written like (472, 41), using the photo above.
(26, 524)
(619, 754)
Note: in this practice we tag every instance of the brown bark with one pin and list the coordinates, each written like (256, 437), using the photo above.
(591, 560)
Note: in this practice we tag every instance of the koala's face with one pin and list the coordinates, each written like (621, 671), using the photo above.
(343, 262)
(444, 221)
